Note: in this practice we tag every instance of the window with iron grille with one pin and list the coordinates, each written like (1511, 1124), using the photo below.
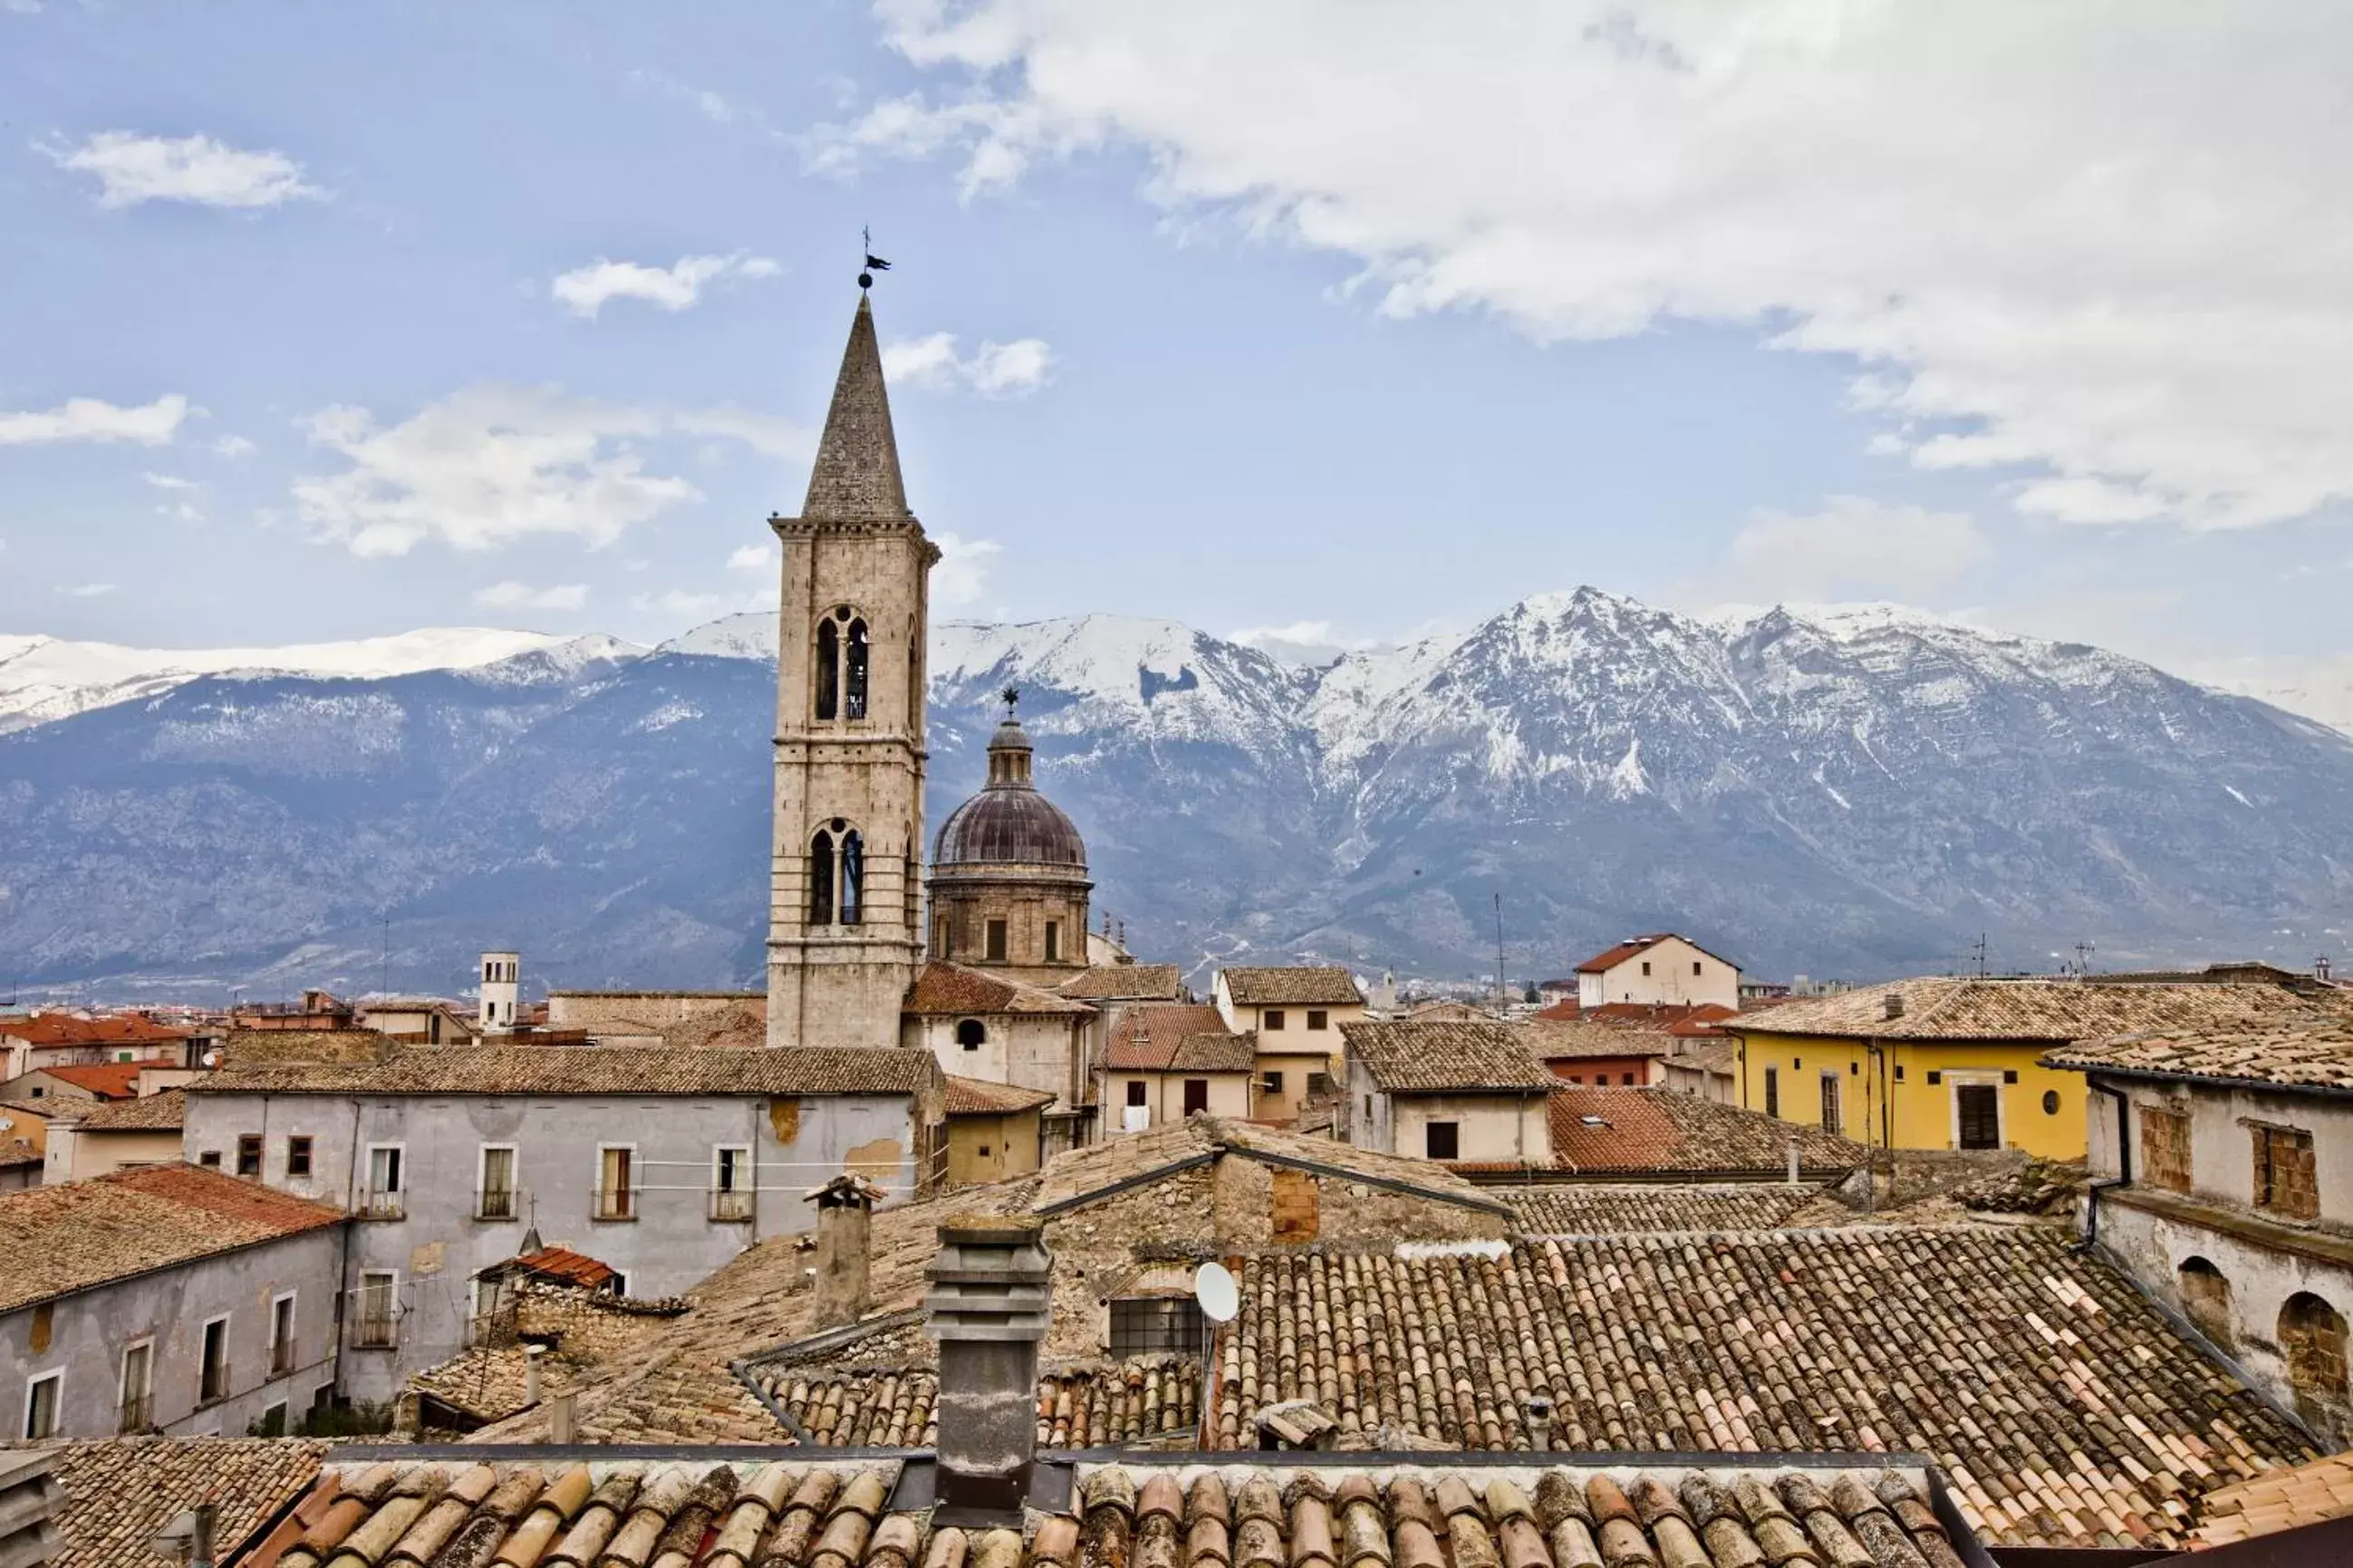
(1157, 1326)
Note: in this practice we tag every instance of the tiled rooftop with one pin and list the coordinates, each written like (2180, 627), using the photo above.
(162, 1112)
(978, 1096)
(2062, 1406)
(2315, 1056)
(121, 1491)
(1144, 1400)
(1552, 1040)
(1152, 1038)
(65, 1030)
(1313, 985)
(1600, 1210)
(107, 1080)
(1126, 982)
(700, 1513)
(78, 1235)
(1656, 1129)
(2037, 1011)
(2278, 1500)
(584, 1070)
(944, 988)
(583, 1330)
(1447, 1056)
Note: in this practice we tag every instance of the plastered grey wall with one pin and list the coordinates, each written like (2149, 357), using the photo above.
(89, 1333)
(437, 1244)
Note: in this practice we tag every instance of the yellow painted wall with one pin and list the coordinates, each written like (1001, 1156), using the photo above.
(1919, 1114)
(1011, 1142)
(1163, 1093)
(1294, 1067)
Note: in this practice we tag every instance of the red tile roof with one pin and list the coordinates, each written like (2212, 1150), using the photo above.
(1177, 1037)
(108, 1081)
(954, 988)
(1628, 1130)
(1306, 985)
(1611, 958)
(560, 1263)
(977, 1097)
(66, 1029)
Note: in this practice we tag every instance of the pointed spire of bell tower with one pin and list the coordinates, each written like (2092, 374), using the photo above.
(856, 478)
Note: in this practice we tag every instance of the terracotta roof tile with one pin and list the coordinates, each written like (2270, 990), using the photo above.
(65, 1030)
(591, 1069)
(107, 1080)
(1634, 946)
(1317, 985)
(1153, 1037)
(1126, 983)
(1552, 1040)
(2282, 1498)
(2050, 1012)
(72, 1237)
(120, 1493)
(977, 1097)
(954, 988)
(1585, 1210)
(162, 1112)
(1627, 1129)
(2308, 1056)
(1414, 1056)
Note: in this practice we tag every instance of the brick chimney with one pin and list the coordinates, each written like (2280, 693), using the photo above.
(991, 1291)
(845, 1212)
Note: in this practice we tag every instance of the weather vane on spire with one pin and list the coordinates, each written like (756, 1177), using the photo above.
(873, 263)
(1012, 698)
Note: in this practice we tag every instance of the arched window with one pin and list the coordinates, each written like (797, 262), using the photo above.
(914, 690)
(2312, 1333)
(972, 1034)
(854, 878)
(2205, 1298)
(820, 879)
(829, 670)
(908, 893)
(854, 672)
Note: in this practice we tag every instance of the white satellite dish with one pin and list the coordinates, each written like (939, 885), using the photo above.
(1214, 1288)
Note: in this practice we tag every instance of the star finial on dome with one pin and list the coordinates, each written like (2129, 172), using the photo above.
(1011, 696)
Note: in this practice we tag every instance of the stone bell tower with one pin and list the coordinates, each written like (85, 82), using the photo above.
(845, 913)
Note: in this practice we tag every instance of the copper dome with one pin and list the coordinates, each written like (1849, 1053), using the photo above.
(1008, 823)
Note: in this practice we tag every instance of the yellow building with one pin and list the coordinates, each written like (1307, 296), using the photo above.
(994, 1130)
(1953, 1063)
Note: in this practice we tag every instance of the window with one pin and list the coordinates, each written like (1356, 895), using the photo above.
(1319, 1084)
(372, 1324)
(1159, 1326)
(996, 948)
(2285, 1178)
(731, 1181)
(298, 1155)
(495, 1196)
(820, 879)
(249, 1153)
(209, 1159)
(1646, 966)
(273, 1421)
(138, 1397)
(972, 1034)
(2205, 1298)
(385, 1196)
(619, 1283)
(616, 1189)
(829, 670)
(2313, 1332)
(1899, 1072)
(1269, 1083)
(1978, 1108)
(2050, 1102)
(1053, 942)
(1136, 1091)
(1271, 1019)
(41, 1397)
(1832, 1120)
(854, 878)
(1196, 1096)
(1627, 1079)
(282, 1335)
(1317, 1018)
(1694, 966)
(2009, 1075)
(1441, 1140)
(984, 1151)
(940, 945)
(212, 1376)
(853, 673)
(1935, 1077)
(1772, 1092)
(1578, 1079)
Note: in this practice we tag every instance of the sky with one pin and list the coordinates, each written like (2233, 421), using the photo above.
(1333, 321)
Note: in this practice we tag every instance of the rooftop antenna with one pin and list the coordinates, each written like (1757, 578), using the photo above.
(1503, 993)
(1977, 952)
(873, 263)
(2084, 950)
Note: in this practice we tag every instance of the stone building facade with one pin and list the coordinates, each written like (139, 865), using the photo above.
(844, 924)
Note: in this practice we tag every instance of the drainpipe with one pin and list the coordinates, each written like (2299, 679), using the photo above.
(2122, 1178)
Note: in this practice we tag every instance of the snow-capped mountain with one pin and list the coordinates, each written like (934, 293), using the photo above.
(1846, 790)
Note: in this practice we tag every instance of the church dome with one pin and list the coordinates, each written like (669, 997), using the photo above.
(1009, 822)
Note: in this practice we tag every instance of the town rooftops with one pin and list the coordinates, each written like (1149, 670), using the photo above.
(163, 1112)
(1316, 985)
(947, 988)
(1447, 1057)
(1126, 982)
(977, 1097)
(107, 1080)
(2033, 1011)
(760, 996)
(1665, 1131)
(1553, 1040)
(2315, 1058)
(1177, 1037)
(495, 1069)
(121, 1492)
(2285, 1499)
(41, 1029)
(1610, 958)
(1596, 1208)
(81, 1235)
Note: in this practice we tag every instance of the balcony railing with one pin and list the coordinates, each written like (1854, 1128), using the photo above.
(498, 1203)
(614, 1203)
(731, 1207)
(374, 1329)
(138, 1413)
(382, 1205)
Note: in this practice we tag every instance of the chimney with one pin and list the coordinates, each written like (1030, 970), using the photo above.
(991, 1287)
(1540, 1422)
(845, 1211)
(531, 1359)
(30, 1499)
(1793, 1161)
(1893, 1005)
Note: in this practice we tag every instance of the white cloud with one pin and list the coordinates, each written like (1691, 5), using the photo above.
(2107, 251)
(586, 290)
(132, 168)
(994, 370)
(1301, 642)
(513, 596)
(181, 511)
(753, 558)
(92, 419)
(685, 605)
(88, 590)
(962, 575)
(233, 447)
(1852, 545)
(171, 482)
(491, 464)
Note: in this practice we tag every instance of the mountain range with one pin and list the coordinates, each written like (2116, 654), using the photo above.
(1857, 791)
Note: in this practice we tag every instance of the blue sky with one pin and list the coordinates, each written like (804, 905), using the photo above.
(1379, 316)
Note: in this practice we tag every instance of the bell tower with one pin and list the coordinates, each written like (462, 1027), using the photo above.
(845, 912)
